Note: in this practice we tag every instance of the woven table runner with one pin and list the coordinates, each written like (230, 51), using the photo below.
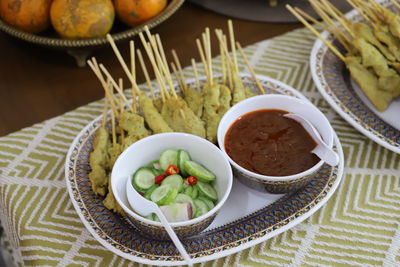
(358, 226)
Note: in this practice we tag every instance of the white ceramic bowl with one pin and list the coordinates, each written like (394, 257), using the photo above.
(275, 184)
(148, 149)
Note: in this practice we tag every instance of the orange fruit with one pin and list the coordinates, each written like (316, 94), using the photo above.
(133, 12)
(27, 15)
(74, 19)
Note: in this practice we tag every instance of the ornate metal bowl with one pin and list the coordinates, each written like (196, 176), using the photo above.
(81, 48)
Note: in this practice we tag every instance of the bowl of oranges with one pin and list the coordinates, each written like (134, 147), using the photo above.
(78, 26)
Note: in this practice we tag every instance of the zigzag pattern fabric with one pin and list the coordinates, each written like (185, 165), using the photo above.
(359, 225)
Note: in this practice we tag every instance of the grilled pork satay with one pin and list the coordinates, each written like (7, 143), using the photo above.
(193, 97)
(369, 82)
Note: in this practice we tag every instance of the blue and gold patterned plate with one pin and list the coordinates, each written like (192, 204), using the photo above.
(336, 86)
(247, 218)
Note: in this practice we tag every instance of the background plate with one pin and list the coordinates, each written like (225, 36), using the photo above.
(247, 218)
(334, 83)
(260, 10)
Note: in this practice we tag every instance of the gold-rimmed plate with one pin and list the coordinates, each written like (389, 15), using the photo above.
(246, 219)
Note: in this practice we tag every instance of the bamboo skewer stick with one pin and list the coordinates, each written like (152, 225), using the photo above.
(161, 85)
(208, 54)
(110, 93)
(164, 67)
(315, 32)
(233, 49)
(196, 74)
(199, 47)
(179, 69)
(310, 18)
(222, 58)
(362, 12)
(146, 74)
(105, 108)
(158, 73)
(178, 78)
(395, 3)
(119, 90)
(230, 65)
(330, 23)
(161, 48)
(122, 62)
(96, 70)
(121, 85)
(133, 73)
(253, 74)
(330, 11)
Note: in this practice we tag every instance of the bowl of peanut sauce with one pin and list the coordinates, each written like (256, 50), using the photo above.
(270, 152)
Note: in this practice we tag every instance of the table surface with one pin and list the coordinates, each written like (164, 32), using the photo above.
(37, 83)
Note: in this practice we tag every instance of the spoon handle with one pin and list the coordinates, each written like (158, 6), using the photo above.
(328, 155)
(174, 237)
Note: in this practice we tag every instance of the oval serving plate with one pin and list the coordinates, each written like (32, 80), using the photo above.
(247, 218)
(334, 83)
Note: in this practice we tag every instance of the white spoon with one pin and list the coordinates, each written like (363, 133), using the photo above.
(146, 207)
(321, 150)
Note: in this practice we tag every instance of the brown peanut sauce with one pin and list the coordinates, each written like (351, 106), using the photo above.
(265, 142)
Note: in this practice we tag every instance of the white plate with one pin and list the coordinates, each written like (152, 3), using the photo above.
(247, 218)
(334, 83)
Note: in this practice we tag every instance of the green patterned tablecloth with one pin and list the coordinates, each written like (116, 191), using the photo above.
(359, 226)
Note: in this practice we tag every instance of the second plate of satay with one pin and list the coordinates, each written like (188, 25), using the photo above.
(355, 64)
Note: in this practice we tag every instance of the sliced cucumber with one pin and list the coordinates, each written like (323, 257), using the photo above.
(207, 190)
(175, 180)
(201, 207)
(183, 198)
(189, 190)
(208, 202)
(199, 171)
(195, 192)
(143, 179)
(157, 171)
(183, 156)
(155, 164)
(150, 191)
(164, 194)
(168, 157)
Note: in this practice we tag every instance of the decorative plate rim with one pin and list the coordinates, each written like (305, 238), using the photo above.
(322, 86)
(298, 216)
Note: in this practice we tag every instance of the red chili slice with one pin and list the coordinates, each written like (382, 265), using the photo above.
(172, 169)
(159, 178)
(191, 180)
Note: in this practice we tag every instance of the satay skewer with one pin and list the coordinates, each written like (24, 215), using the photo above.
(178, 76)
(96, 70)
(394, 2)
(113, 126)
(329, 21)
(196, 74)
(122, 62)
(121, 85)
(316, 33)
(133, 73)
(202, 57)
(253, 73)
(328, 9)
(179, 69)
(157, 73)
(146, 74)
(233, 49)
(119, 90)
(157, 52)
